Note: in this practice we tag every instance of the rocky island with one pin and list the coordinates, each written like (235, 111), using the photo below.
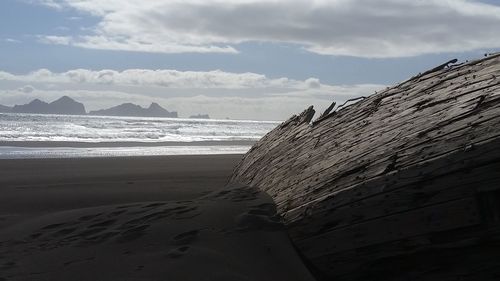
(64, 105)
(68, 106)
(130, 109)
(200, 116)
(5, 109)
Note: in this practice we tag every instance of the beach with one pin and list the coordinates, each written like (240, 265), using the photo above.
(138, 218)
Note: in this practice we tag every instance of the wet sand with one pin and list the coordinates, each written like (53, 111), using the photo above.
(138, 218)
(122, 144)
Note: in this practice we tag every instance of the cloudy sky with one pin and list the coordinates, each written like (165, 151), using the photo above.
(244, 59)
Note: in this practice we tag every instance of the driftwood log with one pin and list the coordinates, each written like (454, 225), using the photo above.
(402, 185)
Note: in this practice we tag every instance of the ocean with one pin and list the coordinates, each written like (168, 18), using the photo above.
(61, 136)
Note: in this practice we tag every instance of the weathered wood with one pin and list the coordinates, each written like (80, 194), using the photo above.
(392, 170)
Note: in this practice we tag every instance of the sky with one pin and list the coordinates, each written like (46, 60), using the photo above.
(242, 59)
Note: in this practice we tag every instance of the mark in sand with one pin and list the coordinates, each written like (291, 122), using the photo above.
(178, 252)
(186, 237)
(132, 234)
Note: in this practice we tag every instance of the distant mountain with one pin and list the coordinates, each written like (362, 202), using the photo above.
(130, 109)
(155, 110)
(67, 106)
(64, 105)
(200, 116)
(5, 109)
(35, 106)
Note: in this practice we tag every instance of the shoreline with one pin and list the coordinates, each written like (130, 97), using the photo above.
(3, 161)
(43, 150)
(74, 144)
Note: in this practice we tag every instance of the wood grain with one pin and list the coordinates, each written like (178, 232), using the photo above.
(395, 168)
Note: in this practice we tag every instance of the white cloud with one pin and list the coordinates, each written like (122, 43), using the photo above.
(58, 40)
(313, 83)
(220, 94)
(10, 40)
(215, 79)
(129, 44)
(363, 28)
(56, 4)
(26, 89)
(62, 28)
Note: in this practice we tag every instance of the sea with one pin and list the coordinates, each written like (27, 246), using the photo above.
(67, 136)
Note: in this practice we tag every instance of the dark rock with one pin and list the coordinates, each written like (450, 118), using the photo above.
(200, 116)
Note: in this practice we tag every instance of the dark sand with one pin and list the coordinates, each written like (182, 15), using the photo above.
(138, 218)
